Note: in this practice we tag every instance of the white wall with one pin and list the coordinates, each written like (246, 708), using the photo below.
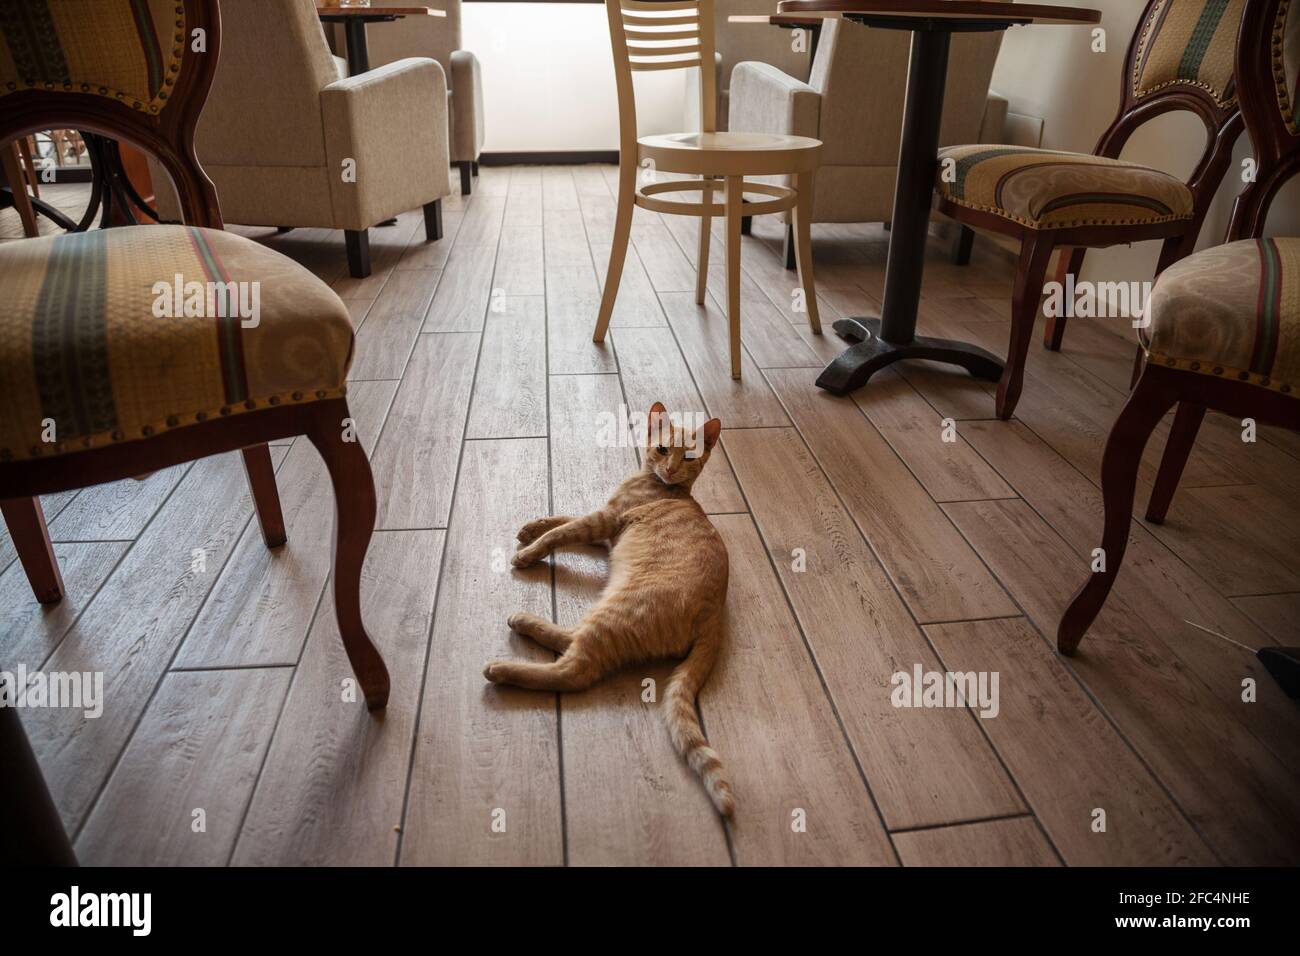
(1052, 72)
(548, 78)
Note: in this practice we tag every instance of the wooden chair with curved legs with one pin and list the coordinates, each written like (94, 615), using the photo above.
(1224, 323)
(97, 386)
(1180, 58)
(675, 35)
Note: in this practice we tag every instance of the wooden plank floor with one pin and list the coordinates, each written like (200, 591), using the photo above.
(862, 544)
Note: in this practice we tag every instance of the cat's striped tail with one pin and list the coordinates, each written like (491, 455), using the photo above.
(684, 723)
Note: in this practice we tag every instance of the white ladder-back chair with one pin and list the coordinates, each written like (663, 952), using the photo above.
(675, 35)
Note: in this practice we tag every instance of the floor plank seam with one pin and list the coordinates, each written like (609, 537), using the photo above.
(275, 727)
(126, 742)
(839, 497)
(1101, 708)
(817, 669)
(442, 567)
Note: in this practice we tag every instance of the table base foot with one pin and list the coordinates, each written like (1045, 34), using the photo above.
(853, 367)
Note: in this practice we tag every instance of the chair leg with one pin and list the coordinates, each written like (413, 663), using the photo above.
(735, 188)
(358, 242)
(1035, 253)
(354, 522)
(1139, 363)
(961, 245)
(803, 248)
(29, 165)
(31, 540)
(617, 248)
(266, 498)
(702, 259)
(34, 834)
(1187, 422)
(473, 167)
(14, 175)
(1119, 465)
(1054, 331)
(433, 221)
(466, 176)
(788, 247)
(746, 225)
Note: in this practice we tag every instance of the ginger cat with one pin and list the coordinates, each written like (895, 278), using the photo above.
(667, 586)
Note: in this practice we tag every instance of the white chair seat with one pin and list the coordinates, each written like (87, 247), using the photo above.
(734, 154)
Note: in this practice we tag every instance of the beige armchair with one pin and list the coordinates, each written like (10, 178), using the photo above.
(289, 142)
(440, 38)
(738, 42)
(853, 103)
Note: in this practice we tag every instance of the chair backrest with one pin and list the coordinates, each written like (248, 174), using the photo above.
(737, 42)
(434, 37)
(1186, 47)
(134, 70)
(265, 109)
(1268, 80)
(861, 74)
(1183, 57)
(651, 35)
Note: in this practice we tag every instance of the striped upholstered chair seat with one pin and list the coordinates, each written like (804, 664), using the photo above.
(1231, 311)
(91, 341)
(1045, 189)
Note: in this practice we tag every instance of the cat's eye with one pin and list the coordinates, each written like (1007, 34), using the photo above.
(661, 449)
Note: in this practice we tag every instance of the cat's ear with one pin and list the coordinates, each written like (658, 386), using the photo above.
(656, 423)
(712, 429)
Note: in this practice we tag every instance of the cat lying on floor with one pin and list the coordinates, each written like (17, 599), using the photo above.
(664, 598)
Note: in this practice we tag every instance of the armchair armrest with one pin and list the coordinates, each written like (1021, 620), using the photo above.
(993, 128)
(467, 124)
(391, 123)
(763, 99)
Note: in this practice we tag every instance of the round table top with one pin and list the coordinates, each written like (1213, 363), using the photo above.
(986, 10)
(380, 10)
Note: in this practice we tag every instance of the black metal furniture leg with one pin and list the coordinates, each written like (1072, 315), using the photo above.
(354, 30)
(466, 176)
(961, 246)
(433, 220)
(358, 242)
(883, 341)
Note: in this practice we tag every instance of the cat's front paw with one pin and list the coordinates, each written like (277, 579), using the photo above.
(494, 671)
(526, 557)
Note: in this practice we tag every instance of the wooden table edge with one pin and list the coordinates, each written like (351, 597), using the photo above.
(379, 12)
(1034, 13)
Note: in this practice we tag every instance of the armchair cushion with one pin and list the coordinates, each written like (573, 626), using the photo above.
(1231, 311)
(1046, 189)
(87, 341)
